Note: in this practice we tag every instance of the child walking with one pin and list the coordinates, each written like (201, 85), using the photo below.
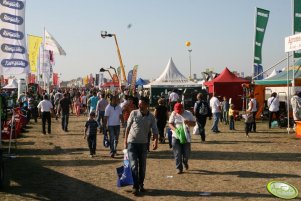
(91, 127)
(248, 122)
(231, 117)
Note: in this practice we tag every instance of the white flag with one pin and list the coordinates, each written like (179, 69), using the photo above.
(52, 44)
(13, 53)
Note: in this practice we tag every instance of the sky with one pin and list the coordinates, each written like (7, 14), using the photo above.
(221, 34)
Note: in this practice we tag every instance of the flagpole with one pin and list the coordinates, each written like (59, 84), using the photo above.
(43, 64)
(254, 42)
(293, 22)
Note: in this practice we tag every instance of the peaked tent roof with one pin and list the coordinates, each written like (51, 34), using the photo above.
(140, 81)
(171, 76)
(272, 74)
(225, 77)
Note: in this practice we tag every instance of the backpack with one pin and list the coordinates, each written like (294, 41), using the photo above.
(203, 109)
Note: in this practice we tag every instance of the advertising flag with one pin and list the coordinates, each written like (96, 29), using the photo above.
(297, 23)
(96, 79)
(133, 83)
(13, 53)
(262, 17)
(34, 43)
(130, 75)
(55, 79)
(52, 44)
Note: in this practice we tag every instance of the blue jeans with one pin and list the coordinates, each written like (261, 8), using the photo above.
(100, 117)
(65, 120)
(216, 117)
(231, 123)
(114, 136)
(137, 156)
(181, 153)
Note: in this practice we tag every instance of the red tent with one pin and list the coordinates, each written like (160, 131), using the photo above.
(229, 85)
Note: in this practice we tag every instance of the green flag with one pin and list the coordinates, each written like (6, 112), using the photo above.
(297, 23)
(262, 17)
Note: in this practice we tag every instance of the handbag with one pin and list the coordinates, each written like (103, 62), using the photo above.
(124, 172)
(180, 132)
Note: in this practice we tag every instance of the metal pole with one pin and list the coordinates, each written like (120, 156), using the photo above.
(189, 63)
(120, 59)
(287, 99)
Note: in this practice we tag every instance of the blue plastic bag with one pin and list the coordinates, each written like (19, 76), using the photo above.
(124, 174)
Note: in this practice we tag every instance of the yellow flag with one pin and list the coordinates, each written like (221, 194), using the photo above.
(34, 43)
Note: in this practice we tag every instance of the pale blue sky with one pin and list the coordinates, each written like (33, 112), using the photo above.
(221, 33)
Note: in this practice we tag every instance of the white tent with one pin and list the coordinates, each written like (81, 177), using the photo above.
(272, 74)
(13, 84)
(171, 77)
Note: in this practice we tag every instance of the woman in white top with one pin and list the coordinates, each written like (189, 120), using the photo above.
(273, 104)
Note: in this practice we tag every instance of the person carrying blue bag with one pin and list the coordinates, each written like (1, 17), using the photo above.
(136, 141)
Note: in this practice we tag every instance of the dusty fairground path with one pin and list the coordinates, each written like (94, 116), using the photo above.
(228, 167)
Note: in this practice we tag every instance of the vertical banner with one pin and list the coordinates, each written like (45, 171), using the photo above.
(130, 76)
(34, 43)
(13, 54)
(262, 17)
(101, 80)
(297, 23)
(96, 79)
(119, 73)
(55, 79)
(91, 79)
(52, 44)
(133, 83)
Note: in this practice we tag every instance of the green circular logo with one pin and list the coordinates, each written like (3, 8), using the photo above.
(282, 190)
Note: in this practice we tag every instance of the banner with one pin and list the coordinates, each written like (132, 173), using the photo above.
(52, 44)
(13, 53)
(86, 80)
(130, 75)
(91, 79)
(297, 23)
(31, 78)
(257, 70)
(119, 73)
(101, 80)
(262, 17)
(55, 79)
(96, 79)
(34, 43)
(133, 83)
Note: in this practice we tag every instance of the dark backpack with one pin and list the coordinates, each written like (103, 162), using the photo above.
(203, 109)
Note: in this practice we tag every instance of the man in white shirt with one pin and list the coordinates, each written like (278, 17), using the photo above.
(173, 99)
(45, 108)
(273, 104)
(113, 116)
(216, 112)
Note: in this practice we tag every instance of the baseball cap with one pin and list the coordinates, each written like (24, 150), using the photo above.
(178, 107)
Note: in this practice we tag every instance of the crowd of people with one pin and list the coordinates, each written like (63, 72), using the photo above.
(111, 113)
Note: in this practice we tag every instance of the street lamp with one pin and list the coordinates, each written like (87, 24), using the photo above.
(104, 34)
(103, 70)
(189, 52)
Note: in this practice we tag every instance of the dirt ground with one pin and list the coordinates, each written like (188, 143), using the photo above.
(228, 166)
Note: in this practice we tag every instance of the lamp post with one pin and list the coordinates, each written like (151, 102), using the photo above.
(104, 34)
(103, 70)
(189, 53)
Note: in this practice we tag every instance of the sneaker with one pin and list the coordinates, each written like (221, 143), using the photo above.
(186, 166)
(179, 171)
(135, 191)
(91, 156)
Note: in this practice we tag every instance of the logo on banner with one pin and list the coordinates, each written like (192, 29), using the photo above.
(14, 63)
(13, 48)
(13, 19)
(6, 33)
(19, 5)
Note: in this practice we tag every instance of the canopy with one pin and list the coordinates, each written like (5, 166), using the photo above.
(281, 78)
(140, 81)
(13, 84)
(229, 85)
(171, 77)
